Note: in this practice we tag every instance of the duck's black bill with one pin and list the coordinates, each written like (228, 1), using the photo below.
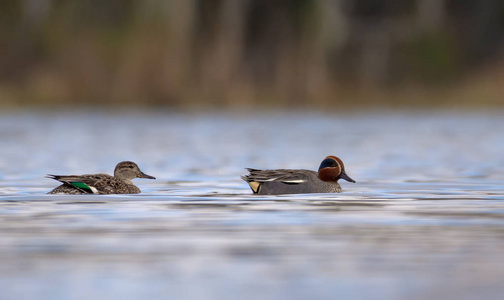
(143, 175)
(343, 175)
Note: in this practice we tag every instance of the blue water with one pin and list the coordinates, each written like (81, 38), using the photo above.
(424, 220)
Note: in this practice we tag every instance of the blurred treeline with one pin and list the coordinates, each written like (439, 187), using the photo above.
(232, 53)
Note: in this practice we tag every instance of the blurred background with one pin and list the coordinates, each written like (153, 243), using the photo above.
(408, 93)
(260, 53)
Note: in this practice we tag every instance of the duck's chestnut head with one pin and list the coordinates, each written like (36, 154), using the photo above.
(332, 169)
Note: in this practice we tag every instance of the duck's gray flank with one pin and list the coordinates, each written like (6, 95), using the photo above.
(286, 181)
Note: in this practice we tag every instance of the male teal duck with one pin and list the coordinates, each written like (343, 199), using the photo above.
(284, 181)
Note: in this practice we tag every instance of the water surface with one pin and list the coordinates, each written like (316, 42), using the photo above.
(424, 220)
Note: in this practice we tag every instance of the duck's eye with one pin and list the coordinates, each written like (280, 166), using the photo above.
(131, 167)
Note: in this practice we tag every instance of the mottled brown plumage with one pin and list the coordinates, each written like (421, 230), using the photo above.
(120, 183)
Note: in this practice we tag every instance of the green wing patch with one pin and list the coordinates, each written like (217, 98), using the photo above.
(81, 185)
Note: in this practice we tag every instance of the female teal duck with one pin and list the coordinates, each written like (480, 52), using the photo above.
(120, 183)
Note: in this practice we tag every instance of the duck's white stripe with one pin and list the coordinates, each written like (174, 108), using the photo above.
(94, 190)
(294, 181)
(271, 179)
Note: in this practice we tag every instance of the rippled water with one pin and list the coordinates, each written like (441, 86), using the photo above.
(425, 219)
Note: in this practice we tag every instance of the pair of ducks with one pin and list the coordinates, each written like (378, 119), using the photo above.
(262, 182)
